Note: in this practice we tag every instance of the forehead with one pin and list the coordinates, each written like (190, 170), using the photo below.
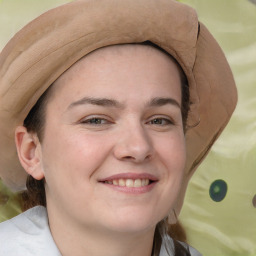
(119, 64)
(117, 53)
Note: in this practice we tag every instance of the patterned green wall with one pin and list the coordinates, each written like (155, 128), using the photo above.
(226, 227)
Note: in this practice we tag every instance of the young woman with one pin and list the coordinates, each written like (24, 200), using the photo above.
(112, 105)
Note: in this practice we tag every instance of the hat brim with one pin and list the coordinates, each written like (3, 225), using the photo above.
(38, 54)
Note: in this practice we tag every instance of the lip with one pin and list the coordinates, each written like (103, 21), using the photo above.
(131, 190)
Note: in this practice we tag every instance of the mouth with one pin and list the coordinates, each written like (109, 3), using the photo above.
(130, 180)
(130, 183)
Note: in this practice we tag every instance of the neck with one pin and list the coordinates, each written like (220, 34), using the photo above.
(79, 240)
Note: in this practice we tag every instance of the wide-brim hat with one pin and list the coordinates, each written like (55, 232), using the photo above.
(44, 49)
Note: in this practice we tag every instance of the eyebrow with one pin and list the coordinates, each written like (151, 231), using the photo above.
(158, 102)
(104, 102)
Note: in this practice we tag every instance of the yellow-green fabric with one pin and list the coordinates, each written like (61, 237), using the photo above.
(227, 227)
(9, 203)
(14, 14)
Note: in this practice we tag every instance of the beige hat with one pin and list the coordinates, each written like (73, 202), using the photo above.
(39, 53)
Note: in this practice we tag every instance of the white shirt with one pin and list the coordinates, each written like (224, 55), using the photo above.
(28, 234)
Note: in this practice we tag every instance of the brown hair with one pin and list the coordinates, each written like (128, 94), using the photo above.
(35, 193)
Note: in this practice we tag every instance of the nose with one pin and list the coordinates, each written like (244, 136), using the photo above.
(134, 145)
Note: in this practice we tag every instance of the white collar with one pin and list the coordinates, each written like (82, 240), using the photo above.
(29, 235)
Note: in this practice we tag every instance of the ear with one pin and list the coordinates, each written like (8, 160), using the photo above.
(29, 152)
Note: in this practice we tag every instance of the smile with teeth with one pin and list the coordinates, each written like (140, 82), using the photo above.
(128, 182)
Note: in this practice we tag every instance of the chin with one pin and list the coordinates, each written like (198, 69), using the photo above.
(133, 223)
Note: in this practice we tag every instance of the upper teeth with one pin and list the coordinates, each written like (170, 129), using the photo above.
(129, 182)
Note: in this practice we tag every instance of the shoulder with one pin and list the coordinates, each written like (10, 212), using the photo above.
(28, 234)
(34, 217)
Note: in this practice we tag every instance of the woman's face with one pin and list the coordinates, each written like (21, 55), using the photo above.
(113, 151)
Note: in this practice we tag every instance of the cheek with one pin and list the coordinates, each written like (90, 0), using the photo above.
(172, 154)
(172, 150)
(74, 155)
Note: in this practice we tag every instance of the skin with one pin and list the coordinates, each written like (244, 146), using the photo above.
(135, 132)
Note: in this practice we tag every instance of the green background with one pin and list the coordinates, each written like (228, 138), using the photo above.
(220, 228)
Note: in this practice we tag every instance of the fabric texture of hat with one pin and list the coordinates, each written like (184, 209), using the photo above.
(39, 53)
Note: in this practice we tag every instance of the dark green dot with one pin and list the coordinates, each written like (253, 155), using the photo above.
(218, 190)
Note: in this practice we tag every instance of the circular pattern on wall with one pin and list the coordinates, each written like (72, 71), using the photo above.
(218, 190)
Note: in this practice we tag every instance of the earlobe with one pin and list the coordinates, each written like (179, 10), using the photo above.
(29, 152)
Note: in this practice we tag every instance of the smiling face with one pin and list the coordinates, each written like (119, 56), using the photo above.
(113, 150)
